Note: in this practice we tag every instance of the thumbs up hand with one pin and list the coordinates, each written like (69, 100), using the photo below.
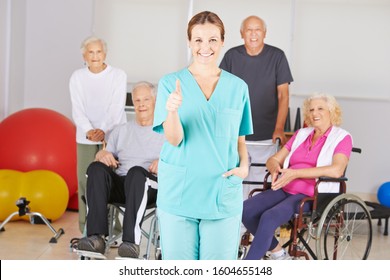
(174, 99)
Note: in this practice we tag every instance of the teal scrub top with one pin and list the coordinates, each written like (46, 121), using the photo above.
(190, 181)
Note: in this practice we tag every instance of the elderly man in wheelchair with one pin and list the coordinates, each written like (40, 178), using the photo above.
(121, 174)
(321, 149)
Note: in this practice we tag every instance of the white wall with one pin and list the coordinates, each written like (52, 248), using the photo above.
(40, 43)
(146, 38)
(54, 31)
(4, 30)
(14, 51)
(342, 47)
(337, 46)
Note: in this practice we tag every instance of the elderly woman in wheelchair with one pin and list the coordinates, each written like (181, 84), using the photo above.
(321, 149)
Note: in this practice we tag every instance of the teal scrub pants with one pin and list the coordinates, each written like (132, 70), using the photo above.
(184, 238)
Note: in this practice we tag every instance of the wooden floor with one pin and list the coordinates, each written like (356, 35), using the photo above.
(24, 241)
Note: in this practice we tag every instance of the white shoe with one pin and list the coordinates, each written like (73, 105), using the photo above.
(284, 257)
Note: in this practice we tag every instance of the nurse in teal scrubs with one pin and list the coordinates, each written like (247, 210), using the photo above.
(205, 114)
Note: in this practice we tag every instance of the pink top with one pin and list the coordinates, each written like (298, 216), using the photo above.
(303, 157)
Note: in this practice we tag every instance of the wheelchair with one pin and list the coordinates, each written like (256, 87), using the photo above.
(258, 168)
(151, 233)
(338, 227)
(116, 212)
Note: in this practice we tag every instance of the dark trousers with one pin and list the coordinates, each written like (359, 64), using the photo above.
(263, 213)
(105, 186)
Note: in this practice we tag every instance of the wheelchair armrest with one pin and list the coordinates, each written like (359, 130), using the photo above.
(266, 184)
(332, 179)
(341, 180)
(252, 192)
(303, 202)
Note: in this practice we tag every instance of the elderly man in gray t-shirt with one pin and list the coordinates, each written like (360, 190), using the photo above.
(266, 71)
(124, 172)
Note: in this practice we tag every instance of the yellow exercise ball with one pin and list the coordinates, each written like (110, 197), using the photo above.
(10, 182)
(46, 190)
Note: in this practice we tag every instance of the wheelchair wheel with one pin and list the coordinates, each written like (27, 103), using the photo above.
(345, 230)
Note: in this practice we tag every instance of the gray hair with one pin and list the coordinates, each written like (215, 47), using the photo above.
(256, 17)
(92, 39)
(147, 84)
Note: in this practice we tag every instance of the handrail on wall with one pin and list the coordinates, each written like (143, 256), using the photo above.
(362, 98)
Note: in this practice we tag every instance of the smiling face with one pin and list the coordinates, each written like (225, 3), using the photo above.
(205, 43)
(144, 102)
(253, 32)
(319, 114)
(95, 56)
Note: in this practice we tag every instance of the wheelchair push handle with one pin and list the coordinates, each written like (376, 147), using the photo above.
(278, 141)
(356, 150)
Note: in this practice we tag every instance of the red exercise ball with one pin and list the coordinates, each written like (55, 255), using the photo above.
(39, 138)
(73, 203)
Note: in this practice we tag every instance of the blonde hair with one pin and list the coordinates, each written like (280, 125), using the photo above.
(333, 107)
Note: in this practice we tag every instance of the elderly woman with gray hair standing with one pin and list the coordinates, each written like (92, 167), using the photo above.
(321, 149)
(98, 94)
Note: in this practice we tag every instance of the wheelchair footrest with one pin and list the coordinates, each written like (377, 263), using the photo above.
(88, 255)
(380, 212)
(130, 259)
